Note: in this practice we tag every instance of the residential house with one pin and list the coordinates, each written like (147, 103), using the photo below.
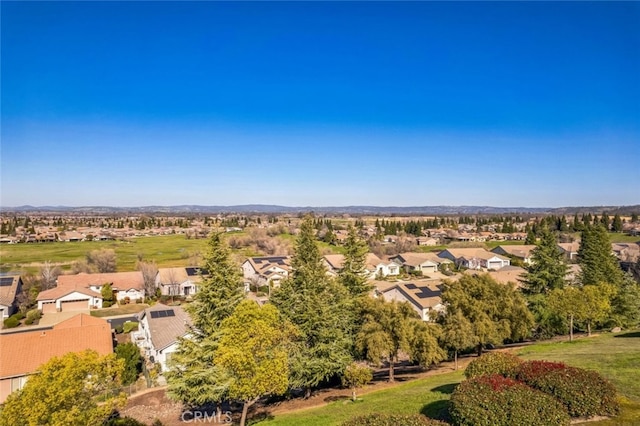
(71, 236)
(507, 274)
(10, 287)
(424, 298)
(24, 351)
(427, 263)
(268, 270)
(159, 328)
(626, 252)
(475, 258)
(570, 250)
(84, 291)
(522, 252)
(179, 281)
(374, 266)
(427, 241)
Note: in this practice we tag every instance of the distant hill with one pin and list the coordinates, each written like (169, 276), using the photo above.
(356, 210)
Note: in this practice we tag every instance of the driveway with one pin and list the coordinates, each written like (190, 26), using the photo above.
(57, 317)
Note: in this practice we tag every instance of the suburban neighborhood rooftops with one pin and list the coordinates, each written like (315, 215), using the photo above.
(22, 353)
(166, 324)
(118, 280)
(60, 291)
(8, 289)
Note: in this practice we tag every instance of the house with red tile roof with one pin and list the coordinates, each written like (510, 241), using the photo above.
(84, 291)
(23, 352)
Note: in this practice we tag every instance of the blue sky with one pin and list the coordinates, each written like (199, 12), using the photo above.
(327, 103)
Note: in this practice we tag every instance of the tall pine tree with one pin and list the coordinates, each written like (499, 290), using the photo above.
(194, 378)
(597, 262)
(353, 274)
(319, 307)
(548, 269)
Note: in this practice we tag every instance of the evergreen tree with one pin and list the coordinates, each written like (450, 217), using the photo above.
(616, 226)
(321, 308)
(220, 291)
(531, 238)
(626, 304)
(353, 274)
(634, 217)
(193, 377)
(548, 269)
(597, 262)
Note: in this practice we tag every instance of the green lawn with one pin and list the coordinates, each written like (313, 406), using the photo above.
(165, 250)
(616, 357)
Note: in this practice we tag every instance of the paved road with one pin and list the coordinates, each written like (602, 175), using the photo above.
(120, 320)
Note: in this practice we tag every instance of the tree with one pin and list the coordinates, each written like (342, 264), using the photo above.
(253, 352)
(570, 303)
(496, 311)
(107, 295)
(597, 304)
(597, 262)
(457, 334)
(321, 308)
(625, 304)
(149, 272)
(102, 260)
(353, 275)
(355, 376)
(74, 389)
(220, 291)
(48, 275)
(548, 269)
(531, 238)
(193, 377)
(616, 225)
(130, 354)
(390, 327)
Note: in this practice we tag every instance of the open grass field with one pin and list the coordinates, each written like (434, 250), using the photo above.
(617, 357)
(166, 251)
(132, 308)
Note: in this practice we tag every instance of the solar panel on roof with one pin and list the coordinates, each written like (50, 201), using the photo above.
(163, 314)
(411, 286)
(6, 281)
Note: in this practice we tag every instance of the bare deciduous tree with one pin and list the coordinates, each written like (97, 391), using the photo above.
(103, 260)
(149, 272)
(48, 275)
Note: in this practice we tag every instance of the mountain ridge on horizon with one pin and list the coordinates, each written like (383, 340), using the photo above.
(353, 209)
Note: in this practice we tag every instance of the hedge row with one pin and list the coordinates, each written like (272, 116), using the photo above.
(392, 420)
(500, 401)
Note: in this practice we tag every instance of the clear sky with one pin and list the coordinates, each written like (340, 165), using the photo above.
(321, 104)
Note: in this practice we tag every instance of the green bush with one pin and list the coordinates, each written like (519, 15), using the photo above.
(106, 304)
(128, 327)
(119, 329)
(502, 363)
(11, 322)
(392, 420)
(585, 393)
(18, 315)
(500, 401)
(34, 315)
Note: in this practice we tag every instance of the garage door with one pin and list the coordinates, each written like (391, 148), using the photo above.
(49, 308)
(428, 269)
(495, 265)
(75, 305)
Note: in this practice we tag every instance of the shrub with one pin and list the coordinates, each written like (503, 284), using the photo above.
(126, 300)
(106, 304)
(502, 363)
(128, 327)
(138, 301)
(34, 315)
(585, 393)
(11, 322)
(119, 329)
(497, 400)
(18, 316)
(392, 420)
